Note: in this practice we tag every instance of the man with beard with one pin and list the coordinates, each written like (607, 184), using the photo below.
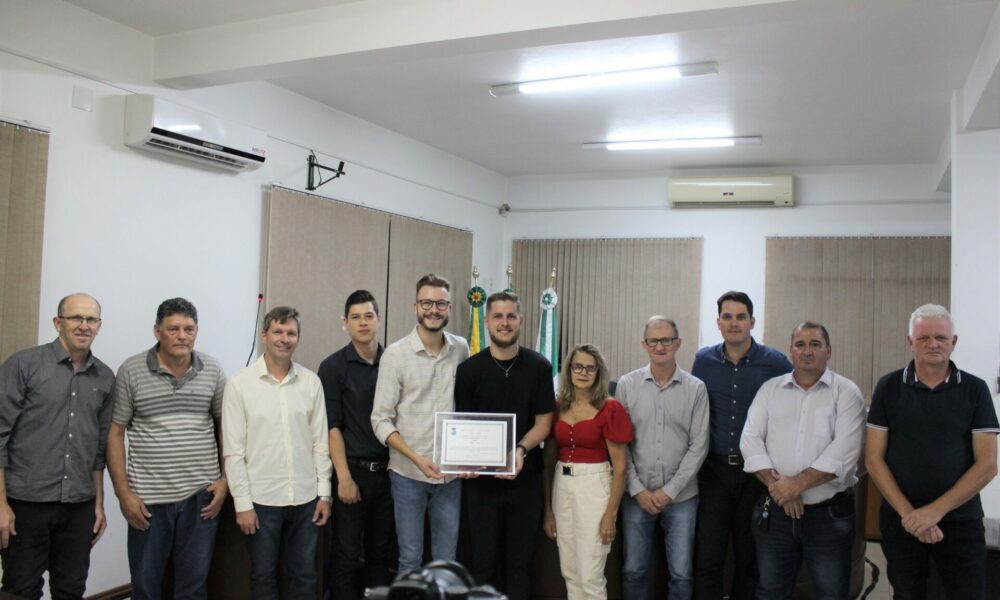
(417, 379)
(504, 511)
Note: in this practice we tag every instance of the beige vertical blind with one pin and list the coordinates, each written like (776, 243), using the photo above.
(23, 166)
(862, 289)
(417, 248)
(608, 288)
(318, 252)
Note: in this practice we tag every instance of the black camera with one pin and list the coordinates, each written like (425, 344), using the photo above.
(438, 580)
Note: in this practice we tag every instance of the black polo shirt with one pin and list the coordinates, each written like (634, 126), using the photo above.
(349, 385)
(522, 386)
(930, 432)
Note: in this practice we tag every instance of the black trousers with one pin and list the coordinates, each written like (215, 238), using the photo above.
(726, 499)
(53, 537)
(504, 523)
(364, 536)
(960, 558)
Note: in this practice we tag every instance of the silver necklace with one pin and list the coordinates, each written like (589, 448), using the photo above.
(506, 372)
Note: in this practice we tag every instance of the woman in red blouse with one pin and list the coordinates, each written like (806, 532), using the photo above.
(583, 493)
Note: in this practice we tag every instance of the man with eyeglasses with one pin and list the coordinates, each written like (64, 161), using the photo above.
(169, 399)
(669, 412)
(417, 379)
(55, 408)
(733, 371)
(505, 511)
(363, 518)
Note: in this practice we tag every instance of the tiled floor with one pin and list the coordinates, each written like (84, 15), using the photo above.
(881, 591)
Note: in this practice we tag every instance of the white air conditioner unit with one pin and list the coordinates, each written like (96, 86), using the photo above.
(161, 126)
(731, 192)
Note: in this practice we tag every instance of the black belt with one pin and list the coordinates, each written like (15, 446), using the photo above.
(838, 496)
(733, 460)
(368, 465)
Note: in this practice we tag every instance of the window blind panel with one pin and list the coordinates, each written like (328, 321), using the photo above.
(318, 251)
(416, 249)
(607, 290)
(23, 167)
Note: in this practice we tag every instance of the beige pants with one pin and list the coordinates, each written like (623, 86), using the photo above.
(579, 501)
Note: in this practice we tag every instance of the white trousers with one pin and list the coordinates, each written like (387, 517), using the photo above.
(579, 500)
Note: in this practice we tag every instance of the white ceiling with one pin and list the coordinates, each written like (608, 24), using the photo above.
(824, 83)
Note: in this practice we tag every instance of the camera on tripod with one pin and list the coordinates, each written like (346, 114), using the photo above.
(438, 580)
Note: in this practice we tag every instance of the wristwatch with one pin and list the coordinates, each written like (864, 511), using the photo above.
(328, 499)
(523, 447)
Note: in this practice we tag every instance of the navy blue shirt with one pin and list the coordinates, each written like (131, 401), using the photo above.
(349, 385)
(930, 433)
(731, 388)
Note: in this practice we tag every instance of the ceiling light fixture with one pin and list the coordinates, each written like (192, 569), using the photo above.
(721, 142)
(594, 80)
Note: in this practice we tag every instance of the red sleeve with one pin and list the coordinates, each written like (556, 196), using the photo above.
(616, 427)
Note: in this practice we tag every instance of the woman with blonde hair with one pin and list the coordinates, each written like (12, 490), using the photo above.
(583, 493)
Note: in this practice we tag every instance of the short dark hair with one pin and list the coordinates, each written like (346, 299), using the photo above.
(433, 280)
(735, 296)
(359, 297)
(281, 314)
(504, 296)
(812, 325)
(176, 306)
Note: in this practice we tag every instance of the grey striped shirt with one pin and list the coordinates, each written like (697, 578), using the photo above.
(172, 451)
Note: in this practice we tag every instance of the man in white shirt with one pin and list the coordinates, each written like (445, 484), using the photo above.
(278, 460)
(415, 380)
(802, 439)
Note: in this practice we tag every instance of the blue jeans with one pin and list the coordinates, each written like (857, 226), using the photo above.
(823, 537)
(678, 523)
(288, 528)
(176, 527)
(411, 500)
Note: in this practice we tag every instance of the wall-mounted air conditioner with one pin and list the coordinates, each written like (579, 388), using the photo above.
(732, 192)
(161, 126)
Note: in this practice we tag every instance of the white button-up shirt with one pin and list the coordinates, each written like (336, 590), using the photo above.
(274, 437)
(790, 429)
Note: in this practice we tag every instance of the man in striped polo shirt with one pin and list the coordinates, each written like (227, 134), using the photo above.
(169, 398)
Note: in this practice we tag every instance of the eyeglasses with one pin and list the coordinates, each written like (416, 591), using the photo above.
(77, 320)
(654, 342)
(429, 304)
(588, 369)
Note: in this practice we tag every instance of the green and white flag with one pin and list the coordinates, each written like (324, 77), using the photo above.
(547, 343)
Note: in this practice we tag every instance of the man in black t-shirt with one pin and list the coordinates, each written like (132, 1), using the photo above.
(504, 512)
(931, 448)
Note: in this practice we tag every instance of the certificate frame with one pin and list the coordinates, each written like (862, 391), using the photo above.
(481, 443)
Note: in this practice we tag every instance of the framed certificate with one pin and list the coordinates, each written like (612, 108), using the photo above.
(474, 442)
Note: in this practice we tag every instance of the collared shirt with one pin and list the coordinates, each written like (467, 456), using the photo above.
(172, 450)
(349, 386)
(731, 388)
(671, 432)
(274, 437)
(54, 424)
(930, 432)
(790, 429)
(412, 386)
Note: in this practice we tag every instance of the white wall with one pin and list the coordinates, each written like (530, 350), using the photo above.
(133, 228)
(836, 201)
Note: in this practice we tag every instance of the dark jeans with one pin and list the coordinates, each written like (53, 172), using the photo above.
(287, 531)
(504, 522)
(363, 530)
(960, 558)
(726, 499)
(823, 537)
(53, 537)
(178, 528)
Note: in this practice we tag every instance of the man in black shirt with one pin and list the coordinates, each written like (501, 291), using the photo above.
(363, 522)
(504, 512)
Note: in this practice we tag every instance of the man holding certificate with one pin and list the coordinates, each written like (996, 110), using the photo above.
(504, 511)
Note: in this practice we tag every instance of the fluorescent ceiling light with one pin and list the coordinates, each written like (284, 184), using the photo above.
(721, 142)
(594, 80)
